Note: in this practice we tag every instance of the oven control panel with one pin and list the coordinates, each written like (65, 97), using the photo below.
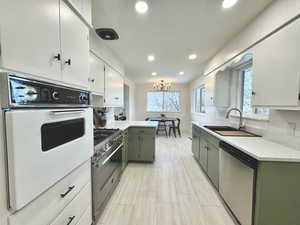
(25, 92)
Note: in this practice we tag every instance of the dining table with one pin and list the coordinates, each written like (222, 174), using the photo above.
(165, 119)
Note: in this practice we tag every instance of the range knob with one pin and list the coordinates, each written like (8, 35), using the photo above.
(83, 98)
(55, 95)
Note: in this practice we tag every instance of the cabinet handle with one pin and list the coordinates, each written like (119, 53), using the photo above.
(67, 192)
(116, 98)
(253, 93)
(91, 80)
(71, 218)
(57, 57)
(68, 62)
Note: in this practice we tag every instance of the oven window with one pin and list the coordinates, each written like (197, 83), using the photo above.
(59, 133)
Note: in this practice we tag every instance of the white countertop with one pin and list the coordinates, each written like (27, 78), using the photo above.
(258, 148)
(123, 125)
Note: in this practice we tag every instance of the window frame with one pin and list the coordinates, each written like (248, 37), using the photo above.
(163, 111)
(239, 71)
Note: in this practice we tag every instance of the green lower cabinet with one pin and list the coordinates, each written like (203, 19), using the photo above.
(213, 164)
(196, 142)
(277, 194)
(203, 154)
(141, 144)
(133, 147)
(147, 148)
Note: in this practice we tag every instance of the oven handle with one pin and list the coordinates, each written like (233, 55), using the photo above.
(108, 158)
(58, 113)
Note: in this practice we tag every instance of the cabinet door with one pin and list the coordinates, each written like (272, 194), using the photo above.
(114, 88)
(147, 148)
(30, 37)
(213, 164)
(222, 88)
(276, 68)
(133, 148)
(96, 75)
(196, 143)
(203, 154)
(74, 48)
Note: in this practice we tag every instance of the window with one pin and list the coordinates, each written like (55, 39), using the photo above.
(199, 99)
(246, 93)
(162, 101)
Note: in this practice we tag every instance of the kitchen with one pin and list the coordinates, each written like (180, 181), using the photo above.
(146, 112)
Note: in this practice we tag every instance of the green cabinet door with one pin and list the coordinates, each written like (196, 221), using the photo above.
(125, 150)
(203, 153)
(147, 148)
(213, 164)
(196, 143)
(133, 147)
(141, 144)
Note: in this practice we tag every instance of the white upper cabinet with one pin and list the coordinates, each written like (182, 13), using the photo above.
(30, 37)
(222, 88)
(96, 75)
(276, 71)
(114, 88)
(74, 48)
(45, 39)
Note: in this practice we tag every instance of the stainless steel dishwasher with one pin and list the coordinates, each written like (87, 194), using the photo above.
(237, 182)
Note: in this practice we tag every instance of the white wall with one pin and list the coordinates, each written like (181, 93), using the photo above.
(277, 128)
(141, 103)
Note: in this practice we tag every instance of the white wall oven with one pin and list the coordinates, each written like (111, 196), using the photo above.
(49, 132)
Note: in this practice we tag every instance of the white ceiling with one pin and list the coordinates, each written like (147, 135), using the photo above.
(171, 30)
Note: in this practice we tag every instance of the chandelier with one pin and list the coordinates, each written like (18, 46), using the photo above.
(162, 86)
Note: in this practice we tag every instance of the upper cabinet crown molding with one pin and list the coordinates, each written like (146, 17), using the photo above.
(276, 73)
(44, 39)
(83, 9)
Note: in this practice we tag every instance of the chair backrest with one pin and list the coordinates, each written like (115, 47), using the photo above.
(178, 122)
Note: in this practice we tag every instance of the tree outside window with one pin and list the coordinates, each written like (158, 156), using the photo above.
(162, 101)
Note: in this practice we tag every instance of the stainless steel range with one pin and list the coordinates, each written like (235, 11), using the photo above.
(106, 167)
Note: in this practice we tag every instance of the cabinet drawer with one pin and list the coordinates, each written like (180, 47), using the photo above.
(141, 131)
(86, 219)
(74, 211)
(48, 206)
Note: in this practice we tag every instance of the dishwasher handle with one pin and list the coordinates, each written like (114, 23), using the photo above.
(239, 155)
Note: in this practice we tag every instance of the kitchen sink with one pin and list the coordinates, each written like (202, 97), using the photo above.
(230, 131)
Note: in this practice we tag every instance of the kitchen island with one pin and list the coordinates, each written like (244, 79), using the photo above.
(139, 140)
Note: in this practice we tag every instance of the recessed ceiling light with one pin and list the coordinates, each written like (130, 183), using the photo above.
(192, 56)
(141, 7)
(151, 58)
(154, 74)
(181, 73)
(228, 3)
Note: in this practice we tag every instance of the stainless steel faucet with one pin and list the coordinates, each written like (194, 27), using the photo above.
(241, 116)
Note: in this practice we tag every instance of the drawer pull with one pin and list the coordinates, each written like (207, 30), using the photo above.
(71, 218)
(67, 192)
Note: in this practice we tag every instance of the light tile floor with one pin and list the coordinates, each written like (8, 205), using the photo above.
(172, 191)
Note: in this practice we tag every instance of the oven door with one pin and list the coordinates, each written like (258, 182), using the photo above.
(43, 146)
(101, 177)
